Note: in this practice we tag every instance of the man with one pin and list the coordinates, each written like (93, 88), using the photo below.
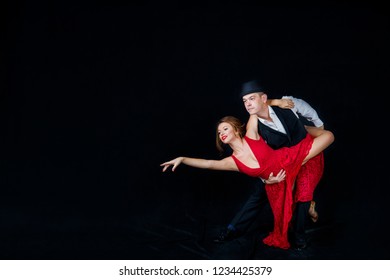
(280, 128)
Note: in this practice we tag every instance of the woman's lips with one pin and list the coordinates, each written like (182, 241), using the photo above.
(224, 137)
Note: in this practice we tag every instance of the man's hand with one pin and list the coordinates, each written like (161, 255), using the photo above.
(276, 179)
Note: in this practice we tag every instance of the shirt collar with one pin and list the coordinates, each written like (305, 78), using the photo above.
(271, 113)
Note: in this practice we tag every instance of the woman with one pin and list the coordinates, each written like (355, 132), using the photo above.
(252, 156)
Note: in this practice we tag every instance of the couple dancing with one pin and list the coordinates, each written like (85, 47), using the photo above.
(278, 165)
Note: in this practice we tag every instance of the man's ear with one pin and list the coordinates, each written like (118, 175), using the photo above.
(264, 97)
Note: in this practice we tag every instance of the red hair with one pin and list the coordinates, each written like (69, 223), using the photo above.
(237, 125)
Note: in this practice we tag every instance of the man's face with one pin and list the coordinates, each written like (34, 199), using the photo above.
(254, 102)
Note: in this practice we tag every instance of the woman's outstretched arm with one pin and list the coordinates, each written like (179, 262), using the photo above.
(226, 164)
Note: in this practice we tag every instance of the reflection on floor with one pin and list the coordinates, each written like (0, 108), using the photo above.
(105, 238)
(197, 243)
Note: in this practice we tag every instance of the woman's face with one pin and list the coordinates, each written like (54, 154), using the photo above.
(226, 132)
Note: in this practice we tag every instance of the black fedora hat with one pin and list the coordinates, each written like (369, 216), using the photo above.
(251, 86)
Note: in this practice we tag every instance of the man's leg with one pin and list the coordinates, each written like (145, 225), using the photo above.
(307, 179)
(246, 216)
(301, 213)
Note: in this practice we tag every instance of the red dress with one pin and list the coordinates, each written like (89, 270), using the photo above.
(280, 194)
(308, 177)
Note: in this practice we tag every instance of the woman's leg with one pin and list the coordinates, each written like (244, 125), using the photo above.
(322, 140)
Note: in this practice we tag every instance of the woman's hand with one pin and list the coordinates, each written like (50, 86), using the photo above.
(286, 103)
(276, 179)
(175, 163)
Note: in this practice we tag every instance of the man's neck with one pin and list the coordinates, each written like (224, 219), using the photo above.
(264, 114)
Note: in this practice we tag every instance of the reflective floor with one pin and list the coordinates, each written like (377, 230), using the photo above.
(28, 236)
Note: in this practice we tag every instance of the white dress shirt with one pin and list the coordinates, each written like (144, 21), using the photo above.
(301, 107)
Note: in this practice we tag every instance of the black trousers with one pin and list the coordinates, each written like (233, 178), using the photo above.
(249, 214)
(301, 219)
(252, 208)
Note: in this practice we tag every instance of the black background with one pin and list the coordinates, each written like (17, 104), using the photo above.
(95, 96)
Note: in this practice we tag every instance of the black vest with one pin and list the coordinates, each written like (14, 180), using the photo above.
(295, 130)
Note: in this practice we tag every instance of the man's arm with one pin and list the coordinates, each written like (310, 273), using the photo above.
(305, 110)
(298, 106)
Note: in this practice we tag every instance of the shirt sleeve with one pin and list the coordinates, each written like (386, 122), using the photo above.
(304, 109)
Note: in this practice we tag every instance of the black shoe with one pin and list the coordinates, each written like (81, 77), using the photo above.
(300, 244)
(225, 235)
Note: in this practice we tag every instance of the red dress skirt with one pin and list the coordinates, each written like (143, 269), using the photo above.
(280, 194)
